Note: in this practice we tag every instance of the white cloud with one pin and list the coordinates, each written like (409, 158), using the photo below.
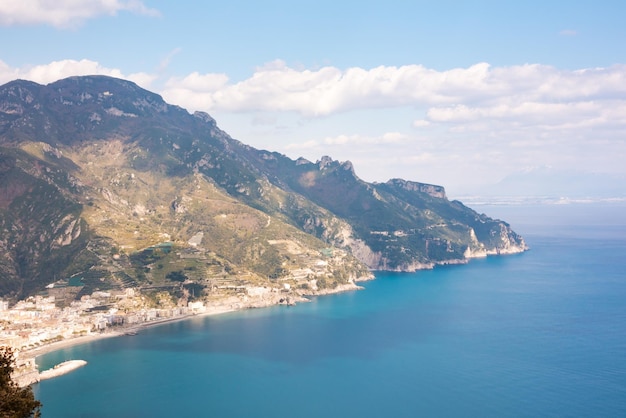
(386, 138)
(351, 140)
(65, 13)
(572, 115)
(7, 73)
(57, 70)
(195, 91)
(420, 123)
(317, 93)
(530, 93)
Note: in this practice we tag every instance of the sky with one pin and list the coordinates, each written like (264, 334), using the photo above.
(464, 94)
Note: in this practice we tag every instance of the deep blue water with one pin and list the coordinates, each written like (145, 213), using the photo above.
(537, 334)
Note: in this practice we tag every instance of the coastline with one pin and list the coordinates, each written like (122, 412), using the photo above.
(124, 331)
(34, 376)
(226, 305)
(67, 343)
(215, 307)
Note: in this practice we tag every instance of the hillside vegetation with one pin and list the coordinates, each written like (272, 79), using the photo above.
(104, 185)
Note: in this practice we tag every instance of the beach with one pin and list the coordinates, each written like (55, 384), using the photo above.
(217, 307)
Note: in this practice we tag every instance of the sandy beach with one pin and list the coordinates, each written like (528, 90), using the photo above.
(68, 342)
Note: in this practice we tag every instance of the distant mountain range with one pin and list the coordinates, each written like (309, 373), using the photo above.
(546, 184)
(104, 183)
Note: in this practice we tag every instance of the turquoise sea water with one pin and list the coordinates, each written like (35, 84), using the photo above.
(537, 334)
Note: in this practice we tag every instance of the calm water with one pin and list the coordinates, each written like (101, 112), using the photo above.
(537, 334)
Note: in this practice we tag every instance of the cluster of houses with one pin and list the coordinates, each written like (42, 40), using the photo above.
(38, 321)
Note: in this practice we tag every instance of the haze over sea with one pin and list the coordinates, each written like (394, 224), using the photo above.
(537, 334)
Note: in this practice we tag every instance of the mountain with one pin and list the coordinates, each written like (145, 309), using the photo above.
(551, 185)
(104, 185)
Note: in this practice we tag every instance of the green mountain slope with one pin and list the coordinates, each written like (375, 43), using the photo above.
(105, 183)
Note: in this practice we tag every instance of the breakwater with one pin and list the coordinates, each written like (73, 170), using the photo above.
(61, 369)
(30, 375)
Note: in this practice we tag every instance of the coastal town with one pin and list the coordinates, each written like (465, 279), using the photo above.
(44, 323)
(36, 323)
(37, 320)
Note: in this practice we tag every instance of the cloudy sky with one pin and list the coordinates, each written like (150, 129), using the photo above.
(462, 94)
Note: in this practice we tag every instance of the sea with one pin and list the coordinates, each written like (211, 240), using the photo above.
(537, 334)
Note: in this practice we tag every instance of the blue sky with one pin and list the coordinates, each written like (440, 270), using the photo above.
(462, 94)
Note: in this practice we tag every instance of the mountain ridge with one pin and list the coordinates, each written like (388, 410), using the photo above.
(122, 171)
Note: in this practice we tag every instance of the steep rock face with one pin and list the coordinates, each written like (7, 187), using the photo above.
(398, 225)
(96, 167)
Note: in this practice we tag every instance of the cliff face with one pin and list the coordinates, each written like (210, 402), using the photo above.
(411, 186)
(97, 175)
(399, 225)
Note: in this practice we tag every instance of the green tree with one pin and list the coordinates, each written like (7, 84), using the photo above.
(15, 402)
(176, 276)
